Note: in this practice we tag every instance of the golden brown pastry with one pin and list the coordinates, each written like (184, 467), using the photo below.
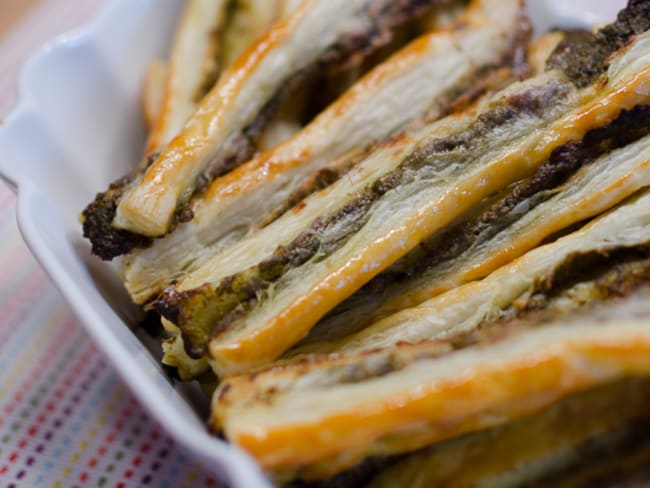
(252, 302)
(420, 81)
(221, 133)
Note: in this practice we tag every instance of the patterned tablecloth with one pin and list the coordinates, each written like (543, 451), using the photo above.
(66, 419)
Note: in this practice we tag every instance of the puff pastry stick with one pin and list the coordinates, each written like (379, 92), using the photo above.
(153, 92)
(220, 134)
(466, 307)
(202, 48)
(292, 420)
(575, 184)
(533, 451)
(253, 301)
(211, 36)
(191, 70)
(421, 79)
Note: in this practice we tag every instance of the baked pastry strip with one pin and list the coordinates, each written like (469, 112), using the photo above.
(192, 67)
(292, 420)
(256, 299)
(466, 307)
(579, 181)
(420, 80)
(220, 134)
(534, 450)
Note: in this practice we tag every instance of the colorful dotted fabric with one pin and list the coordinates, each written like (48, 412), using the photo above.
(66, 419)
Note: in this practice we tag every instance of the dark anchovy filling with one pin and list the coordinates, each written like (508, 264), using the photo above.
(243, 146)
(585, 59)
(383, 17)
(520, 198)
(488, 79)
(207, 310)
(108, 242)
(317, 181)
(616, 274)
(596, 277)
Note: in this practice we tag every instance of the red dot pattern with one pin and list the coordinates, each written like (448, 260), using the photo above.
(66, 419)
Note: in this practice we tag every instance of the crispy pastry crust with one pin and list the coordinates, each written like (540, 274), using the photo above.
(505, 381)
(193, 62)
(221, 133)
(153, 92)
(533, 450)
(546, 326)
(466, 307)
(399, 196)
(580, 180)
(420, 81)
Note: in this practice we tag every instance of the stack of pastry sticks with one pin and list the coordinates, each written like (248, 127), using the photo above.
(442, 257)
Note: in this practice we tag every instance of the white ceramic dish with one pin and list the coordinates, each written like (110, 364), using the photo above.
(77, 127)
